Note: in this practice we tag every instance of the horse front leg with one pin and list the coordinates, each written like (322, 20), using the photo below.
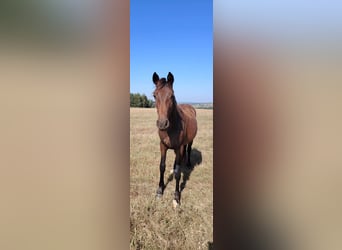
(177, 172)
(161, 187)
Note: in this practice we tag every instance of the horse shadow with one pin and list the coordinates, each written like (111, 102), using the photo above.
(195, 160)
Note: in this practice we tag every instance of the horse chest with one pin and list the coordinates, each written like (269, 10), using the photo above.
(172, 139)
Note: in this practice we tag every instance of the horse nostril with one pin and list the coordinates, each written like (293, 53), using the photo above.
(163, 124)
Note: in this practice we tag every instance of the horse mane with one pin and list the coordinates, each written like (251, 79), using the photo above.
(176, 118)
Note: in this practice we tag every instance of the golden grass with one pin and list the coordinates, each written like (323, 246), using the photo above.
(154, 223)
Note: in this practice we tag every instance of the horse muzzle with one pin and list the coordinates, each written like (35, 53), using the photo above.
(163, 124)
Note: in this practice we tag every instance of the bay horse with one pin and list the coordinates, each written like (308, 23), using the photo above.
(177, 128)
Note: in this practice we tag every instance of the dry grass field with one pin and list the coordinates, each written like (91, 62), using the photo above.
(154, 223)
(58, 188)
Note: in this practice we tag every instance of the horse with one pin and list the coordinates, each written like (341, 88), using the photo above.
(177, 128)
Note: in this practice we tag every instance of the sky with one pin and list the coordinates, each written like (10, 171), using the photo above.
(287, 19)
(172, 36)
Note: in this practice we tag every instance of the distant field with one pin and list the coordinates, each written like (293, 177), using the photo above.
(155, 224)
(202, 105)
(195, 105)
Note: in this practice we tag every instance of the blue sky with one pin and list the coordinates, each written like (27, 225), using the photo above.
(175, 36)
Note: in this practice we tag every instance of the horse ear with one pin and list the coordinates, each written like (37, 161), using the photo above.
(155, 78)
(170, 78)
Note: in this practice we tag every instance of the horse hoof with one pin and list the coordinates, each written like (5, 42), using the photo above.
(159, 192)
(177, 197)
(175, 204)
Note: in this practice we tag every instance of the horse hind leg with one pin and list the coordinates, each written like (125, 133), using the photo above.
(184, 155)
(182, 161)
(174, 167)
(189, 154)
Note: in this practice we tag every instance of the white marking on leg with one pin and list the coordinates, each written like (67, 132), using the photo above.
(175, 204)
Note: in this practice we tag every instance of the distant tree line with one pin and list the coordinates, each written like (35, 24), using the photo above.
(140, 100)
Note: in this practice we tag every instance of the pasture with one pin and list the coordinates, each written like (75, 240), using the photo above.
(154, 223)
